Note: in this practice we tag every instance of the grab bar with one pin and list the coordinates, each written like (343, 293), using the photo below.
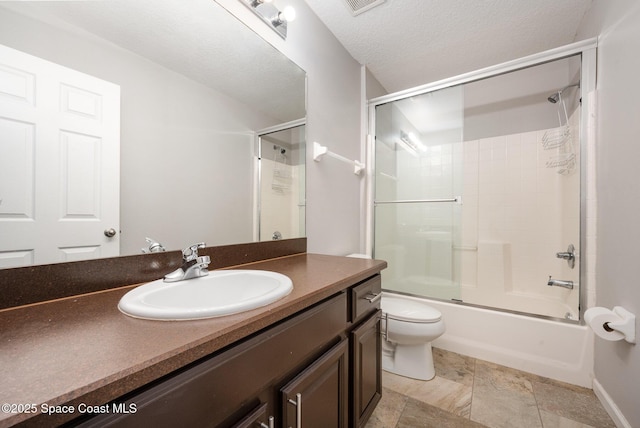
(457, 199)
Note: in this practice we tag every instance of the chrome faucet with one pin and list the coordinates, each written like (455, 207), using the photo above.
(193, 266)
(154, 246)
(560, 283)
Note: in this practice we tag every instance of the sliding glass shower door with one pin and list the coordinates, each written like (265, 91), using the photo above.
(480, 187)
(418, 183)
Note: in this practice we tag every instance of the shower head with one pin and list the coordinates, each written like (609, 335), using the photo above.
(555, 97)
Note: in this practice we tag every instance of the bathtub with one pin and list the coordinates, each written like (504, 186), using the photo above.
(552, 349)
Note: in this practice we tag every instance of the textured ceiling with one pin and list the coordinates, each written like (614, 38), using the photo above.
(196, 38)
(406, 43)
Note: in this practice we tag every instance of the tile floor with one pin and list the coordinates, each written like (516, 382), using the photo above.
(467, 392)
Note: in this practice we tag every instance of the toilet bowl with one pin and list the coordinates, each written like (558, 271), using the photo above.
(408, 327)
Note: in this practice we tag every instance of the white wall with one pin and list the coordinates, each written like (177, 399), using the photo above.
(334, 107)
(617, 25)
(374, 89)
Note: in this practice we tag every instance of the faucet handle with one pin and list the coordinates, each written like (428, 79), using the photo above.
(203, 261)
(154, 246)
(569, 256)
(191, 252)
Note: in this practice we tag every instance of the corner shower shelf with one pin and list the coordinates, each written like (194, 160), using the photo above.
(565, 163)
(557, 137)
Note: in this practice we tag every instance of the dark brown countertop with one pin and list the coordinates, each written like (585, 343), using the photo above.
(82, 349)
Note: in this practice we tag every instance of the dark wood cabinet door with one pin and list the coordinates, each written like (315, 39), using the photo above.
(366, 360)
(318, 396)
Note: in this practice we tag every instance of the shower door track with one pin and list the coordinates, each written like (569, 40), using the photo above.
(491, 308)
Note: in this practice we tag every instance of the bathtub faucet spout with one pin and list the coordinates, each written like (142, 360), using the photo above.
(560, 283)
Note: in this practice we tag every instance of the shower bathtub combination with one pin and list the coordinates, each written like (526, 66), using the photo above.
(480, 200)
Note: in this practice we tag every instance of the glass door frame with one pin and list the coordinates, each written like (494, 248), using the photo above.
(257, 182)
(587, 50)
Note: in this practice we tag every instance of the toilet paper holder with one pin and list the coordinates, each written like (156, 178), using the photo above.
(627, 326)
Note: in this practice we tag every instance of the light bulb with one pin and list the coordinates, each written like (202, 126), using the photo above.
(288, 14)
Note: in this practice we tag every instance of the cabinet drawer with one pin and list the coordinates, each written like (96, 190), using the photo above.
(365, 298)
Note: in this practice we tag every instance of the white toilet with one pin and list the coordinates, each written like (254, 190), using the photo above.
(409, 326)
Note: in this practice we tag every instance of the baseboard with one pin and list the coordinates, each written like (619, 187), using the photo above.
(610, 406)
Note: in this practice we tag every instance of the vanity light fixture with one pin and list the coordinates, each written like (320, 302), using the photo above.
(288, 14)
(271, 15)
(256, 3)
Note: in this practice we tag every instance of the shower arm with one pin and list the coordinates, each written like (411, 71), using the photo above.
(569, 86)
(557, 96)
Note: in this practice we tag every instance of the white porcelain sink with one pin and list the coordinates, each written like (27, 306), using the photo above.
(222, 292)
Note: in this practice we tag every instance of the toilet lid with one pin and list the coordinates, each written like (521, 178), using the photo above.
(409, 310)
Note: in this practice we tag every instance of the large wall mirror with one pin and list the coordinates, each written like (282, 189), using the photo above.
(181, 86)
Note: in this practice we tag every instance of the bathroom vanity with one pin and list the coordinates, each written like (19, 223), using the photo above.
(297, 373)
(310, 359)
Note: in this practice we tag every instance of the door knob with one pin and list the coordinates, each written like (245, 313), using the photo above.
(110, 233)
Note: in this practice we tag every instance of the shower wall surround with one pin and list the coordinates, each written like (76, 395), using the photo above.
(518, 213)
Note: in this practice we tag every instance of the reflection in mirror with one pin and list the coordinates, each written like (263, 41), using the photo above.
(282, 194)
(188, 86)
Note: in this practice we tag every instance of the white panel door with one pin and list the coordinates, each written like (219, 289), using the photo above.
(59, 163)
